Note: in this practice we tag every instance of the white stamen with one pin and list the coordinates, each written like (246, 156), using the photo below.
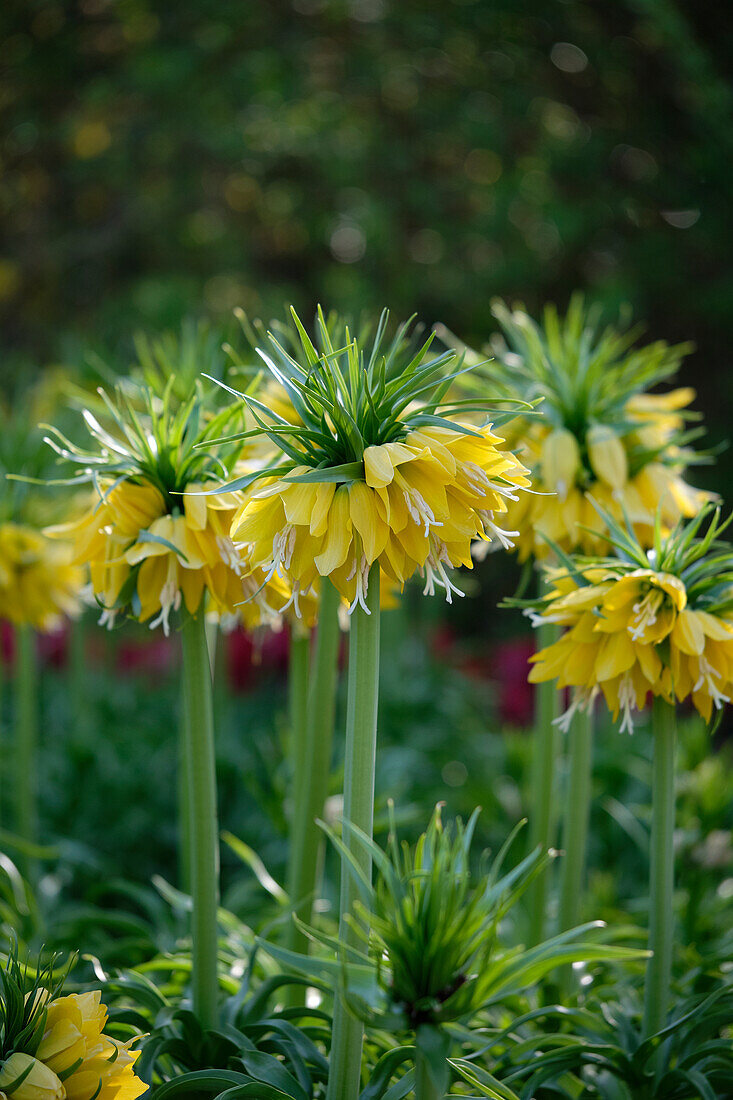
(435, 573)
(362, 585)
(706, 679)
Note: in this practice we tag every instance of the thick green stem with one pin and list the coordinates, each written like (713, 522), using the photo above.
(575, 818)
(212, 641)
(26, 747)
(298, 669)
(314, 763)
(360, 757)
(424, 1086)
(542, 811)
(184, 796)
(198, 730)
(661, 870)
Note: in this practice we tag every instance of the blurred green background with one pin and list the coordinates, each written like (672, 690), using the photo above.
(160, 160)
(166, 160)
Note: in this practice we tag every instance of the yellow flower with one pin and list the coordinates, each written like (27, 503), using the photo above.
(39, 583)
(658, 416)
(561, 511)
(417, 507)
(93, 1065)
(153, 558)
(630, 633)
(628, 452)
(36, 1080)
(607, 456)
(560, 461)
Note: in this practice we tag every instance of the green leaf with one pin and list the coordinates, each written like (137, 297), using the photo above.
(348, 471)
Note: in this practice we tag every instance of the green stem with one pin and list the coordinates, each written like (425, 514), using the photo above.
(360, 757)
(315, 767)
(424, 1085)
(661, 871)
(184, 796)
(212, 639)
(542, 804)
(576, 818)
(575, 827)
(198, 730)
(26, 701)
(297, 704)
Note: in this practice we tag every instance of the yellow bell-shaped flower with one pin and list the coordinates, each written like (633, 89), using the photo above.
(35, 1081)
(94, 1065)
(560, 460)
(607, 456)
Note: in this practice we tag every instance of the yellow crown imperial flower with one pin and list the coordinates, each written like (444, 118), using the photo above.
(654, 622)
(607, 456)
(23, 1077)
(39, 583)
(92, 1065)
(378, 468)
(155, 534)
(631, 447)
(560, 461)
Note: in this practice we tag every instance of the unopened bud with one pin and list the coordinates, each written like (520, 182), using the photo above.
(26, 1078)
(560, 461)
(607, 456)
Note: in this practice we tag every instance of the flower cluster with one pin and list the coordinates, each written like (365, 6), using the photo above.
(54, 1047)
(75, 1059)
(39, 583)
(657, 621)
(151, 560)
(600, 431)
(155, 533)
(375, 467)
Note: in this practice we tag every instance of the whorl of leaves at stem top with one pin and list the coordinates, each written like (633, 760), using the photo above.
(349, 392)
(24, 995)
(693, 551)
(157, 440)
(585, 372)
(429, 925)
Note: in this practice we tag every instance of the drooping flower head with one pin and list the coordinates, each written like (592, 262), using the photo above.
(656, 621)
(381, 466)
(39, 584)
(600, 432)
(155, 533)
(54, 1047)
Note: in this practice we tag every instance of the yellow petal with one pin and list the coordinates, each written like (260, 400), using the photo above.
(194, 507)
(378, 468)
(688, 633)
(299, 501)
(321, 506)
(616, 655)
(366, 519)
(607, 456)
(718, 629)
(338, 536)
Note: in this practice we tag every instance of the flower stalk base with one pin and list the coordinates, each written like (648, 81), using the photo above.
(576, 818)
(203, 831)
(542, 810)
(314, 765)
(661, 869)
(361, 743)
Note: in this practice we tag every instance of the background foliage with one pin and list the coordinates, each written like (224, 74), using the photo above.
(160, 160)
